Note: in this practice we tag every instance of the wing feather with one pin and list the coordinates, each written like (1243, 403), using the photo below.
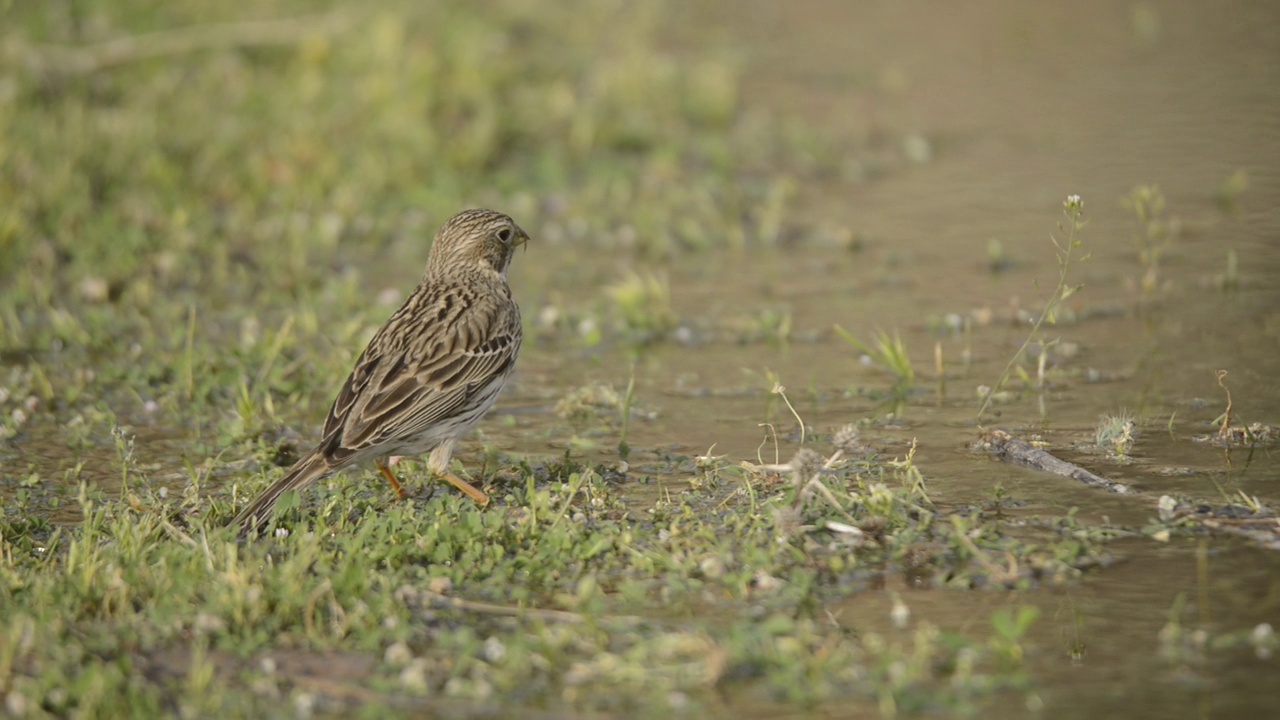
(400, 391)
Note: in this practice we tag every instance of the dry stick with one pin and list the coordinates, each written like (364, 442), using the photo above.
(827, 495)
(177, 534)
(831, 461)
(67, 60)
(1262, 530)
(1024, 453)
(1226, 414)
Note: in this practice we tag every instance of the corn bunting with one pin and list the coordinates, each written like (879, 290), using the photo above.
(430, 373)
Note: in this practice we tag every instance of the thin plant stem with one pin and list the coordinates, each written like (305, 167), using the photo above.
(1074, 209)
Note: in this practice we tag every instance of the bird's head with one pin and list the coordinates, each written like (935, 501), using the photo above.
(475, 239)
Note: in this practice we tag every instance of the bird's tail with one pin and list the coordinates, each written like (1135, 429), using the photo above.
(255, 516)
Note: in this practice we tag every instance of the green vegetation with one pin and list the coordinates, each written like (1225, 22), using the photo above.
(547, 598)
(1115, 433)
(1066, 248)
(643, 306)
(1227, 196)
(890, 354)
(1155, 237)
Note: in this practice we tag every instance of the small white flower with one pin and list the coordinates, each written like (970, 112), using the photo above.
(282, 532)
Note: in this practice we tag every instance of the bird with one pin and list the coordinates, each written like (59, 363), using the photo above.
(429, 374)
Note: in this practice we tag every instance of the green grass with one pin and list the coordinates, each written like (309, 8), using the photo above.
(562, 594)
(1115, 433)
(890, 354)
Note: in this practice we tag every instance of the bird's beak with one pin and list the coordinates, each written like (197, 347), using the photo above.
(521, 239)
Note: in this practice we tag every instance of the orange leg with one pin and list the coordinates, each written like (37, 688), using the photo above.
(391, 478)
(466, 487)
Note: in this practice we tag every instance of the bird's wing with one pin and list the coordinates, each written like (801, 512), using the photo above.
(422, 367)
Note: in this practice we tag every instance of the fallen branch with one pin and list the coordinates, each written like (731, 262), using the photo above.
(1007, 447)
(1254, 522)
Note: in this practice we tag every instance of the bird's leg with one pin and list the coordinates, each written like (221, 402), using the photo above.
(472, 491)
(391, 478)
(439, 464)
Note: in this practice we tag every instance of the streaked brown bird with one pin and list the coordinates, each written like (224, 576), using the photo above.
(430, 373)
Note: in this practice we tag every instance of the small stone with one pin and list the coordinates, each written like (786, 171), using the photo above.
(15, 703)
(414, 676)
(712, 567)
(397, 653)
(304, 704)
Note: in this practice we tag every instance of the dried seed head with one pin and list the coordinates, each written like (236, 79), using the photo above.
(846, 440)
(805, 464)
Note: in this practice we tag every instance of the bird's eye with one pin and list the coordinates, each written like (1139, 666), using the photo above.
(504, 235)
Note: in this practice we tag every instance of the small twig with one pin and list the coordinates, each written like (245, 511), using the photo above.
(780, 390)
(184, 538)
(1226, 414)
(831, 461)
(776, 450)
